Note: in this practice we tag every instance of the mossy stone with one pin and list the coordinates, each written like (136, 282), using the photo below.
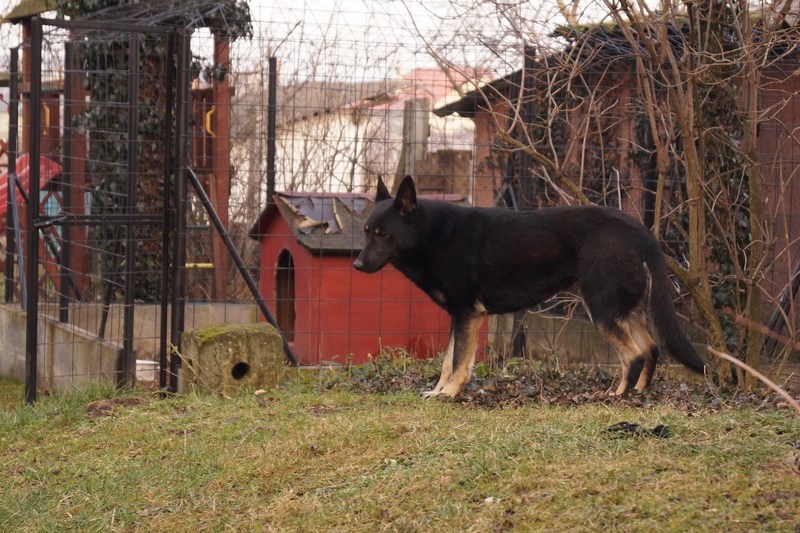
(230, 356)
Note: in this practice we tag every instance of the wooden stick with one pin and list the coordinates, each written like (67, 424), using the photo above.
(760, 328)
(758, 375)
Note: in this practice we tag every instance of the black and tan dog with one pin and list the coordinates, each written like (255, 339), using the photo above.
(479, 261)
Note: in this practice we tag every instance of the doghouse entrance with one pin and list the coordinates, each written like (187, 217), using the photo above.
(284, 294)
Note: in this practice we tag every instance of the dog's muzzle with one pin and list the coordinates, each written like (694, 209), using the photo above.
(365, 266)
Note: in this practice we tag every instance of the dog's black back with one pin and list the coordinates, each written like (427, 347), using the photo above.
(496, 261)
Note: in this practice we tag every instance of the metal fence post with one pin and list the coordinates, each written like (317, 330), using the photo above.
(182, 136)
(166, 228)
(128, 353)
(12, 222)
(32, 323)
(66, 182)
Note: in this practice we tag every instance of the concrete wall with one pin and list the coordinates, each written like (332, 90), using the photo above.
(571, 341)
(72, 355)
(68, 355)
(567, 340)
(147, 321)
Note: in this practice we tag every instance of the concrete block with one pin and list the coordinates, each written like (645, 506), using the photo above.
(224, 358)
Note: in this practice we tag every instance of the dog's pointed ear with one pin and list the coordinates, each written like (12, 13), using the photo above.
(383, 193)
(406, 200)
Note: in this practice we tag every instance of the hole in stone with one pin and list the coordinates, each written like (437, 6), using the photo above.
(240, 370)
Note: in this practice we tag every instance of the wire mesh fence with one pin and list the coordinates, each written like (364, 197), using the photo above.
(287, 115)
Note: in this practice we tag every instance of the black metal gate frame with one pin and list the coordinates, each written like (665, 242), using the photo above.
(174, 202)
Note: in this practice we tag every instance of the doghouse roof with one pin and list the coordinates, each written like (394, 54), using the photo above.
(321, 222)
(324, 222)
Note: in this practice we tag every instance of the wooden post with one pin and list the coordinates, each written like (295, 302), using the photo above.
(416, 130)
(220, 182)
(79, 253)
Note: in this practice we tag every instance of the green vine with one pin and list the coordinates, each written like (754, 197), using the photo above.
(105, 65)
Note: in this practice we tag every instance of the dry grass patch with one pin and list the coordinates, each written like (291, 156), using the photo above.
(11, 394)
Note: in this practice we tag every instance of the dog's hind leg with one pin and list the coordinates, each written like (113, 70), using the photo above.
(618, 334)
(614, 293)
(648, 349)
(447, 366)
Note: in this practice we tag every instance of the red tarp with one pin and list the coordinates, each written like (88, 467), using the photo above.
(48, 170)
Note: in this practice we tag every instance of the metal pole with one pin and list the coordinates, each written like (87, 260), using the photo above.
(66, 193)
(12, 224)
(248, 279)
(169, 161)
(128, 354)
(179, 242)
(272, 107)
(18, 240)
(32, 323)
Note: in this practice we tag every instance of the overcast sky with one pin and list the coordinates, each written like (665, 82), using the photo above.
(384, 34)
(394, 34)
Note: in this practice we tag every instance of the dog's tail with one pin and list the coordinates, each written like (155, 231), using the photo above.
(663, 318)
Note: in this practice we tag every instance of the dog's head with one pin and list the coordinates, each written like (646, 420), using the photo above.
(390, 228)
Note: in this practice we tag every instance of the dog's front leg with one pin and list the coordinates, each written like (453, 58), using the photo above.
(447, 365)
(465, 341)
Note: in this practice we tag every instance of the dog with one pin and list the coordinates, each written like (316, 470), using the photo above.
(476, 261)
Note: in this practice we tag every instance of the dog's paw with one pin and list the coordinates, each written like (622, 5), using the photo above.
(450, 390)
(440, 396)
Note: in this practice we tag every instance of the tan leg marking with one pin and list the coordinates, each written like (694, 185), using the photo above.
(466, 342)
(621, 339)
(647, 347)
(447, 369)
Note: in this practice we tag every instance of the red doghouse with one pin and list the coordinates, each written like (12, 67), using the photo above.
(328, 311)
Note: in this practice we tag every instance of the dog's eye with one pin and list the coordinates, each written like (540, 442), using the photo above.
(366, 228)
(380, 233)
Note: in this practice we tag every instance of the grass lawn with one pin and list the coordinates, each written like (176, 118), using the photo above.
(11, 394)
(339, 457)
